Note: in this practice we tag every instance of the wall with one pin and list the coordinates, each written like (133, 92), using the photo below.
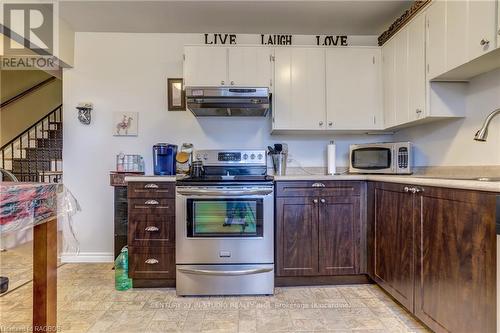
(450, 143)
(21, 114)
(128, 72)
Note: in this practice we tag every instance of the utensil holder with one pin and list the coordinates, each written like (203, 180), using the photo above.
(279, 163)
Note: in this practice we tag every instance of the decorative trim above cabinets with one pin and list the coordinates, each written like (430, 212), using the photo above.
(402, 20)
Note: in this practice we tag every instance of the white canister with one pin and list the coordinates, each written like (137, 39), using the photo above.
(331, 158)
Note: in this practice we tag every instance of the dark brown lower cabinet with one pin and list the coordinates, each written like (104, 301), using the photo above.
(456, 261)
(318, 230)
(393, 248)
(435, 252)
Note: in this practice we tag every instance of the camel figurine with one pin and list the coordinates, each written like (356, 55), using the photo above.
(124, 125)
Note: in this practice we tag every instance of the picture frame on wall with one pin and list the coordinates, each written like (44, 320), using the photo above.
(125, 123)
(176, 95)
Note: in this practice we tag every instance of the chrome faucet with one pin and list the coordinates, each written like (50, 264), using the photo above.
(482, 134)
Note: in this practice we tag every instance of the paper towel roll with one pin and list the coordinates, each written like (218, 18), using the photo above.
(331, 158)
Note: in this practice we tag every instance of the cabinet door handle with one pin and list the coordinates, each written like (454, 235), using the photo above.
(318, 185)
(415, 190)
(151, 186)
(315, 201)
(323, 200)
(151, 261)
(151, 202)
(222, 82)
(232, 83)
(152, 229)
(418, 111)
(484, 42)
(406, 189)
(330, 123)
(320, 123)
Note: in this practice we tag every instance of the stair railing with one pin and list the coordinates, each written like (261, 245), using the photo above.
(35, 155)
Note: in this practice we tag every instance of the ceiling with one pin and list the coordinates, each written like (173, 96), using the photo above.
(362, 17)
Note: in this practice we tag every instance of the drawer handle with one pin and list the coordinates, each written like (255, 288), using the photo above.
(151, 261)
(150, 186)
(318, 185)
(152, 229)
(151, 202)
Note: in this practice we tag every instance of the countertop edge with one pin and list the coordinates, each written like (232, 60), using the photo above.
(150, 178)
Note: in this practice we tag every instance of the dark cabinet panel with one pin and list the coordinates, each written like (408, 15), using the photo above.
(456, 281)
(151, 230)
(120, 218)
(151, 189)
(297, 236)
(339, 235)
(152, 263)
(318, 188)
(393, 266)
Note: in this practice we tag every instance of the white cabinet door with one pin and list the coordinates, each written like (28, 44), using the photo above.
(299, 91)
(389, 84)
(250, 66)
(354, 88)
(436, 39)
(205, 66)
(482, 27)
(416, 68)
(456, 33)
(401, 105)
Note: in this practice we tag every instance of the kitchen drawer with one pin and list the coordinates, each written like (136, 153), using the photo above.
(151, 190)
(147, 230)
(318, 188)
(151, 262)
(158, 207)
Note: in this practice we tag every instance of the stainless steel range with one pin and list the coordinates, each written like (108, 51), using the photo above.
(225, 226)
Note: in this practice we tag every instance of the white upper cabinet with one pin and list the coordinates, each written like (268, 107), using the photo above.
(482, 27)
(354, 88)
(227, 66)
(299, 90)
(456, 33)
(205, 66)
(404, 81)
(389, 82)
(401, 77)
(416, 69)
(250, 66)
(436, 39)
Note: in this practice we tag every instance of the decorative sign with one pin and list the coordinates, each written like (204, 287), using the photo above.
(331, 40)
(220, 39)
(287, 39)
(276, 39)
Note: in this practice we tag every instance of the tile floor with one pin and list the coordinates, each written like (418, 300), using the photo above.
(87, 302)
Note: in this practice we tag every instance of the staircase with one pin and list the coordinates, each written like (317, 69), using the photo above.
(35, 155)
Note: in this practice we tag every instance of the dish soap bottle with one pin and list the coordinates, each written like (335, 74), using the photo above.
(122, 281)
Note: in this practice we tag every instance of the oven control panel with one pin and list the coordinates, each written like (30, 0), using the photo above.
(225, 157)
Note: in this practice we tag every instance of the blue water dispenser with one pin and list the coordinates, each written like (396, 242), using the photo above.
(164, 159)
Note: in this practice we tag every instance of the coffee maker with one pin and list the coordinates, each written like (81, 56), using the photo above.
(164, 159)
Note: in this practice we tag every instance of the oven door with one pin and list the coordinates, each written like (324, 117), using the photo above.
(224, 225)
(376, 159)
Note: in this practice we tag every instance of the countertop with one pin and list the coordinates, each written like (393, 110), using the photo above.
(151, 178)
(439, 181)
(422, 180)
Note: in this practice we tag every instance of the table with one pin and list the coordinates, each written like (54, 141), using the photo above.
(38, 205)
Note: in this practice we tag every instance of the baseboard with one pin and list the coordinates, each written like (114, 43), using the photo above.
(287, 281)
(87, 257)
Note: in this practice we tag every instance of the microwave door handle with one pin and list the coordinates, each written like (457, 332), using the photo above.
(394, 160)
(223, 192)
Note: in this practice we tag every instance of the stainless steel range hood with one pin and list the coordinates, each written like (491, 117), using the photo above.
(228, 101)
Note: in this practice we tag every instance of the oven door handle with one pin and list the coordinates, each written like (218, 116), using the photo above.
(224, 273)
(224, 193)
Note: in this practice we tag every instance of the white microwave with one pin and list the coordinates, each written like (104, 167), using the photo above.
(385, 158)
